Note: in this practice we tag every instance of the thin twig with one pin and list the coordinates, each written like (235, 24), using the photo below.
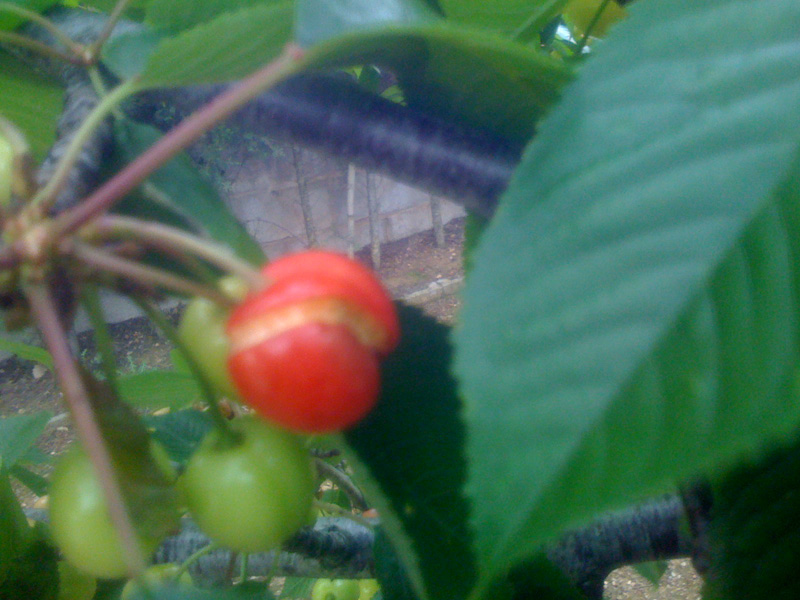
(48, 194)
(102, 337)
(71, 384)
(74, 47)
(23, 41)
(166, 238)
(344, 483)
(592, 24)
(176, 140)
(93, 52)
(143, 274)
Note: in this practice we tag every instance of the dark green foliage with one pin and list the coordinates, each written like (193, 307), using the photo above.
(754, 532)
(411, 448)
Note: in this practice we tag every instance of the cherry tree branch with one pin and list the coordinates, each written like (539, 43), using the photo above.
(175, 141)
(334, 115)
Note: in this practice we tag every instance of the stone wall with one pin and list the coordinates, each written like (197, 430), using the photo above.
(265, 197)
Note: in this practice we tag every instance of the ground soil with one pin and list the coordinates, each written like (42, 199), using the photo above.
(408, 267)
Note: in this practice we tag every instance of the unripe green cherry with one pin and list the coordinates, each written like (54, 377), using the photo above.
(80, 522)
(158, 575)
(6, 170)
(252, 493)
(202, 331)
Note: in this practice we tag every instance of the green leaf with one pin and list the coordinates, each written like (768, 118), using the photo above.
(180, 432)
(389, 570)
(127, 54)
(134, 9)
(473, 229)
(410, 461)
(320, 20)
(26, 351)
(754, 532)
(32, 574)
(506, 16)
(226, 48)
(632, 316)
(18, 434)
(15, 534)
(653, 570)
(177, 15)
(158, 389)
(538, 578)
(180, 196)
(179, 362)
(74, 584)
(35, 456)
(297, 587)
(9, 20)
(458, 74)
(34, 482)
(31, 101)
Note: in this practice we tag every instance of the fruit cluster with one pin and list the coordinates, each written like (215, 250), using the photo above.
(303, 351)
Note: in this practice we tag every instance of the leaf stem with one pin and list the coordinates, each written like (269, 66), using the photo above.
(176, 140)
(171, 239)
(143, 274)
(157, 317)
(590, 27)
(49, 192)
(193, 558)
(72, 386)
(93, 51)
(74, 47)
(243, 566)
(22, 41)
(105, 346)
(343, 482)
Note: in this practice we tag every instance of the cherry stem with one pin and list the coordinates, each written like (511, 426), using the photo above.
(172, 240)
(176, 140)
(48, 194)
(22, 41)
(343, 482)
(243, 566)
(194, 558)
(143, 274)
(73, 47)
(221, 423)
(93, 51)
(592, 24)
(342, 512)
(71, 384)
